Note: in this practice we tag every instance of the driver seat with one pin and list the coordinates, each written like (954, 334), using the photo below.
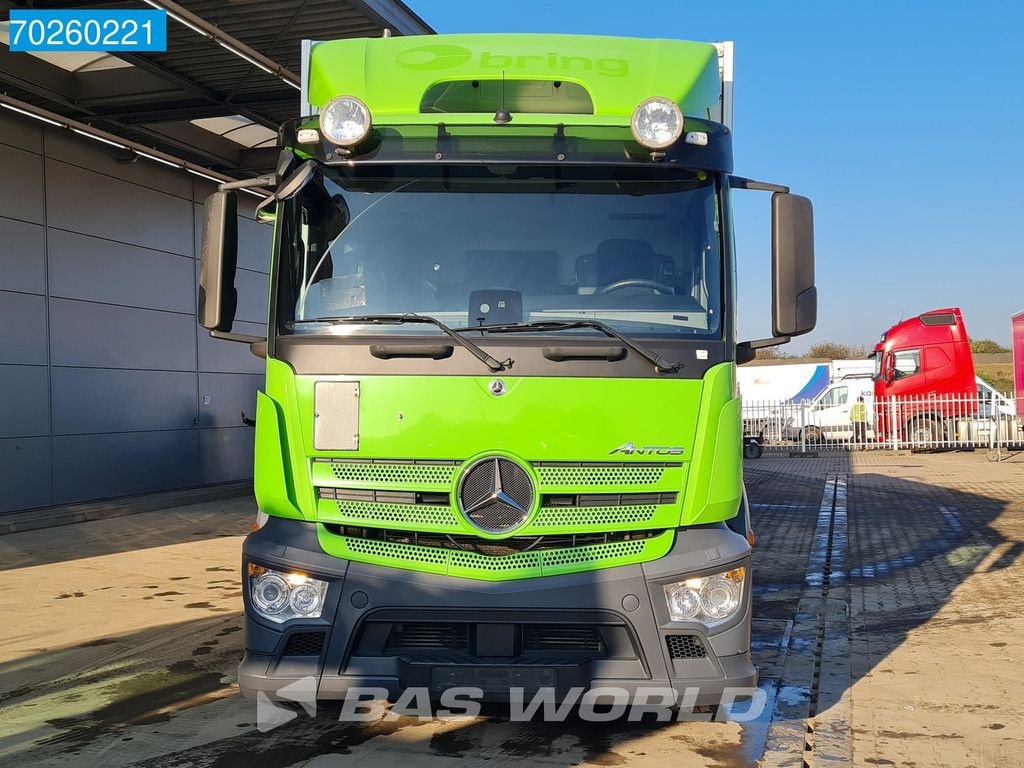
(623, 259)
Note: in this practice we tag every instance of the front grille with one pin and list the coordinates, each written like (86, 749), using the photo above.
(393, 471)
(571, 473)
(561, 637)
(518, 565)
(685, 647)
(499, 548)
(304, 644)
(453, 637)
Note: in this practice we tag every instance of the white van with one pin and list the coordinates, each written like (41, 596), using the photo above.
(828, 415)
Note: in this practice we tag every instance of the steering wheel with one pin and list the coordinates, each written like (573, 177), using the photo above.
(636, 282)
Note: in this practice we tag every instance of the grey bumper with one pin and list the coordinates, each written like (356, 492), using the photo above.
(626, 605)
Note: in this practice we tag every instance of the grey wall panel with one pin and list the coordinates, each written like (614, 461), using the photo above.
(225, 454)
(21, 133)
(103, 466)
(26, 394)
(22, 329)
(24, 473)
(21, 184)
(105, 336)
(222, 397)
(219, 356)
(22, 256)
(65, 146)
(94, 204)
(104, 400)
(84, 267)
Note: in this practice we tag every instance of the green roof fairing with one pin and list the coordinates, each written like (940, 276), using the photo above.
(391, 75)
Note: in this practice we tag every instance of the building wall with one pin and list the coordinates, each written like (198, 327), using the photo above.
(108, 385)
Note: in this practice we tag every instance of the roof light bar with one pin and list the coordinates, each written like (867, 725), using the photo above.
(33, 115)
(101, 139)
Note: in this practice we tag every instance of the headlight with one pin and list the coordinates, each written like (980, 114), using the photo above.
(657, 123)
(345, 121)
(281, 596)
(711, 600)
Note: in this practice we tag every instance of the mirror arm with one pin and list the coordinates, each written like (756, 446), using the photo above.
(774, 341)
(267, 180)
(740, 182)
(241, 337)
(746, 351)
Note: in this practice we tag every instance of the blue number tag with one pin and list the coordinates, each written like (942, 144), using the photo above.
(97, 30)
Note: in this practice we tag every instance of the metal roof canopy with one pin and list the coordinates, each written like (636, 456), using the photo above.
(224, 58)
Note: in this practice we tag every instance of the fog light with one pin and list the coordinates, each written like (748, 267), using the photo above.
(345, 121)
(657, 123)
(711, 600)
(282, 596)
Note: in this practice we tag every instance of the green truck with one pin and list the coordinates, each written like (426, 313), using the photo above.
(499, 446)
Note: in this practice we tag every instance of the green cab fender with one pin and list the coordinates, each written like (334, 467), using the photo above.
(271, 483)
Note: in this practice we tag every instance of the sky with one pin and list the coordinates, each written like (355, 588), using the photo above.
(903, 121)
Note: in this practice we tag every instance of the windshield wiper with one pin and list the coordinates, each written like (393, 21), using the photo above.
(660, 364)
(411, 317)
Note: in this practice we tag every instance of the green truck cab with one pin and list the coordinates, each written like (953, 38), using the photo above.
(499, 446)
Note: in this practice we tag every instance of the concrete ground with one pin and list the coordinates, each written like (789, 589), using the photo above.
(890, 631)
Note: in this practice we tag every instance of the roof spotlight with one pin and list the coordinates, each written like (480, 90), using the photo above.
(657, 123)
(345, 121)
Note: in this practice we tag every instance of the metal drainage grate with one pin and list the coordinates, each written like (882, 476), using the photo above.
(685, 647)
(305, 644)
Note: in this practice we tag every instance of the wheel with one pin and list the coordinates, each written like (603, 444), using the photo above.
(924, 433)
(752, 450)
(812, 435)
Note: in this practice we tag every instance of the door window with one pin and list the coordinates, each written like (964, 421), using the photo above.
(907, 363)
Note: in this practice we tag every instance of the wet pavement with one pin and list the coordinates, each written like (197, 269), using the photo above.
(889, 631)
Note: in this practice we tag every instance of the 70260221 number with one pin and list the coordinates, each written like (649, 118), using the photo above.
(96, 30)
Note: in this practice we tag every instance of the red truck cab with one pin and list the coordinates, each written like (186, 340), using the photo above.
(924, 378)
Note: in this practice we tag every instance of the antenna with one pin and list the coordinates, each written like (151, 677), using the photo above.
(502, 116)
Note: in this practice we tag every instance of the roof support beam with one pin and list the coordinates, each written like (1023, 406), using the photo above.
(197, 24)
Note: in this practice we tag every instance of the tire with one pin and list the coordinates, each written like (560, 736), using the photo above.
(924, 432)
(752, 451)
(812, 435)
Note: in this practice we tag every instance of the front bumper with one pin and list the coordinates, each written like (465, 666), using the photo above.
(598, 629)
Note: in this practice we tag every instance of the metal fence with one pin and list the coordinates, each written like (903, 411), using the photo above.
(897, 423)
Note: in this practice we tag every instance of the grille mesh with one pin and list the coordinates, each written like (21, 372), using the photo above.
(435, 515)
(685, 647)
(393, 472)
(447, 559)
(304, 644)
(598, 475)
(583, 516)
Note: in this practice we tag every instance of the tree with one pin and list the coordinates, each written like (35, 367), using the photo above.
(831, 350)
(772, 353)
(986, 346)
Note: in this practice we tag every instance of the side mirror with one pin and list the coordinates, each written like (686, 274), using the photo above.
(794, 296)
(218, 298)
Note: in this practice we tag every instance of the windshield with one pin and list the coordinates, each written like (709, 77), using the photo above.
(637, 249)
